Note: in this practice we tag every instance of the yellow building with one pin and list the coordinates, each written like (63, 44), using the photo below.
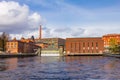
(20, 46)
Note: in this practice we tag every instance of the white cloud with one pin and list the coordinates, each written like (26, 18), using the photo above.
(63, 32)
(11, 13)
(18, 19)
(34, 20)
(90, 30)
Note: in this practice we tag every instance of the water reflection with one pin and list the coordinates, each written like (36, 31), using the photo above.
(8, 64)
(61, 68)
(112, 69)
(85, 59)
(47, 59)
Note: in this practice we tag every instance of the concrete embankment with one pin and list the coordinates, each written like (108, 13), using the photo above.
(17, 55)
(85, 54)
(112, 55)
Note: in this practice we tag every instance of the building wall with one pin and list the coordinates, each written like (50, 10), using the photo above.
(13, 47)
(61, 42)
(50, 43)
(107, 38)
(20, 47)
(84, 45)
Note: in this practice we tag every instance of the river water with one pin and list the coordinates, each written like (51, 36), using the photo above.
(60, 68)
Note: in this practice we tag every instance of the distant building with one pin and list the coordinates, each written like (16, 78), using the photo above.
(107, 38)
(19, 46)
(42, 45)
(84, 45)
(50, 43)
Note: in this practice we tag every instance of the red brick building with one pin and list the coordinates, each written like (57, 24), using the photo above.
(84, 45)
(107, 38)
(18, 46)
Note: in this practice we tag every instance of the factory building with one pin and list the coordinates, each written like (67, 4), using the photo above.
(76, 46)
(49, 43)
(20, 46)
(108, 37)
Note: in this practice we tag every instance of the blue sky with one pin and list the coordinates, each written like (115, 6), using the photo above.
(68, 18)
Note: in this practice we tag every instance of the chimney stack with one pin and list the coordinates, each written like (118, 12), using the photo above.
(40, 32)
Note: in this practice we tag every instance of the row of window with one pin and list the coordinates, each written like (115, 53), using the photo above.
(15, 46)
(11, 44)
(84, 44)
(88, 48)
(87, 51)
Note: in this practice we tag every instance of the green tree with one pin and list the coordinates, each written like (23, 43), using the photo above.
(114, 46)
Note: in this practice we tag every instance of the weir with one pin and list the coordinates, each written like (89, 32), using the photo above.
(49, 52)
(38, 52)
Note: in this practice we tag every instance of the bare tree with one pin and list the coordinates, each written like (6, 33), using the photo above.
(3, 39)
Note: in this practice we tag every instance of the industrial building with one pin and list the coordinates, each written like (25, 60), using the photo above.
(49, 43)
(20, 46)
(72, 46)
(109, 40)
(76, 46)
(108, 37)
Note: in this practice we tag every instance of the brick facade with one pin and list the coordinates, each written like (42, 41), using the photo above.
(107, 38)
(84, 45)
(16, 46)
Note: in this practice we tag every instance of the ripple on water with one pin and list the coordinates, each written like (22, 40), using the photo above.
(69, 68)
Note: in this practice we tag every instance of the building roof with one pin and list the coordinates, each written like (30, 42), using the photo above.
(14, 41)
(109, 35)
(86, 38)
(48, 38)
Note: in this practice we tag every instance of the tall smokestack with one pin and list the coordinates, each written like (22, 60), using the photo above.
(40, 32)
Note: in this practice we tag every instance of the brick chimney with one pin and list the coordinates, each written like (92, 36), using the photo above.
(40, 32)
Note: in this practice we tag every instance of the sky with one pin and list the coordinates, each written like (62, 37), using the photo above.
(59, 18)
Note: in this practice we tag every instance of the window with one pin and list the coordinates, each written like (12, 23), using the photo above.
(11, 43)
(88, 44)
(83, 51)
(75, 45)
(71, 45)
(97, 51)
(92, 44)
(96, 44)
(79, 46)
(88, 51)
(15, 44)
(92, 51)
(83, 44)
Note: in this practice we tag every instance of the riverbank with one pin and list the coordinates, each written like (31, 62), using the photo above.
(17, 55)
(84, 54)
(112, 55)
(7, 55)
